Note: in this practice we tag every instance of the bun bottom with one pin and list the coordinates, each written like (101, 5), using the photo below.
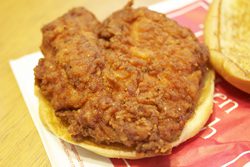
(200, 116)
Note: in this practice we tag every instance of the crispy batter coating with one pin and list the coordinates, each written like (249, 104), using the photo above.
(133, 79)
(71, 57)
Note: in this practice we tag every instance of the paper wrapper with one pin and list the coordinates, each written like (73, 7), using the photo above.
(225, 141)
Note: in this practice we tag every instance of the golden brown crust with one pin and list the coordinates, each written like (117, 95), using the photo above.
(134, 81)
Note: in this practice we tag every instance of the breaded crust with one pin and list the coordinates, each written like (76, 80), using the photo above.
(133, 80)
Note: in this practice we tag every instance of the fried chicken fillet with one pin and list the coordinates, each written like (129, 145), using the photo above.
(132, 80)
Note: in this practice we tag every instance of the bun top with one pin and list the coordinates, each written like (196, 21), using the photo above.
(227, 36)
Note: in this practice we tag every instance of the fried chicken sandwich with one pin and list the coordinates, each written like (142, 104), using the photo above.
(133, 86)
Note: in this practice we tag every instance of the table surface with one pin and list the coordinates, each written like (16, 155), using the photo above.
(20, 23)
